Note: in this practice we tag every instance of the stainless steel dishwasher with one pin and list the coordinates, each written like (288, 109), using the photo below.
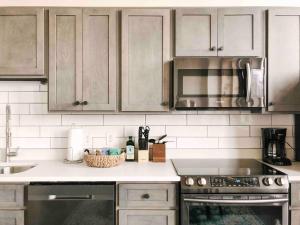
(71, 204)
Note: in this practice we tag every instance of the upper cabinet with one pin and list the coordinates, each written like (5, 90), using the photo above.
(284, 60)
(21, 42)
(219, 32)
(145, 59)
(82, 59)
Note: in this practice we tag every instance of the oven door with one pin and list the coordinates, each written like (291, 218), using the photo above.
(219, 83)
(233, 210)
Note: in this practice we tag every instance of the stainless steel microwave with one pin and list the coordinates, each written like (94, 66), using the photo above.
(219, 82)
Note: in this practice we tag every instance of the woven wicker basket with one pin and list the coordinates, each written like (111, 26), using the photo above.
(104, 161)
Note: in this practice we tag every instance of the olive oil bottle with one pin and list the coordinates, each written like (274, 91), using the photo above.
(130, 154)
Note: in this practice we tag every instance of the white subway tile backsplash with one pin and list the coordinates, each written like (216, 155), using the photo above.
(166, 119)
(38, 108)
(255, 131)
(19, 86)
(228, 131)
(197, 142)
(205, 134)
(208, 119)
(155, 131)
(31, 143)
(124, 119)
(82, 120)
(40, 120)
(54, 131)
(247, 142)
(282, 120)
(3, 97)
(27, 97)
(59, 143)
(186, 131)
(250, 119)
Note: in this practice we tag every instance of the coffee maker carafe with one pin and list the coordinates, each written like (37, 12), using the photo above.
(273, 141)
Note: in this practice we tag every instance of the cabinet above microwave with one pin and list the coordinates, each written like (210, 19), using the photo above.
(216, 82)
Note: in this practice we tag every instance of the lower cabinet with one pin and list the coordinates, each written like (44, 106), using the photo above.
(295, 204)
(147, 204)
(147, 217)
(8, 217)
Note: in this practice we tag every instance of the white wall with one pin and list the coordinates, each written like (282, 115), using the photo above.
(149, 3)
(42, 135)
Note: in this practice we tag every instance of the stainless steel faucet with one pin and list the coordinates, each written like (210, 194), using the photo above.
(8, 152)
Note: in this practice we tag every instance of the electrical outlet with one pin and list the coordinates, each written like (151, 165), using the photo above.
(109, 139)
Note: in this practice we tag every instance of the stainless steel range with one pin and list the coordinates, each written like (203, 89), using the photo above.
(231, 191)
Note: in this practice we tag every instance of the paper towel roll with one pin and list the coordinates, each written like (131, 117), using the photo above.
(75, 144)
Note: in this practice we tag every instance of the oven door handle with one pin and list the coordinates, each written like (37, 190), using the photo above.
(263, 201)
(248, 91)
(67, 197)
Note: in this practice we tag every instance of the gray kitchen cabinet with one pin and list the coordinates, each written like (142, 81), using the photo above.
(21, 42)
(147, 217)
(196, 32)
(284, 60)
(220, 32)
(145, 59)
(11, 217)
(12, 204)
(82, 59)
(240, 32)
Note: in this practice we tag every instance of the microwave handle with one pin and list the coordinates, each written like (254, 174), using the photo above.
(216, 201)
(248, 73)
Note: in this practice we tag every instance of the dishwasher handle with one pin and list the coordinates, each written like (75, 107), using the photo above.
(70, 197)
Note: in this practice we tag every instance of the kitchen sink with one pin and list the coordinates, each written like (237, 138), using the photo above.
(15, 169)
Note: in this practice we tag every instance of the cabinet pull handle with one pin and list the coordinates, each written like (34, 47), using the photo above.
(145, 196)
(212, 49)
(76, 103)
(220, 49)
(84, 103)
(164, 103)
(271, 103)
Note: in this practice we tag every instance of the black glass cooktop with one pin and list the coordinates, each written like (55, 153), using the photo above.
(226, 167)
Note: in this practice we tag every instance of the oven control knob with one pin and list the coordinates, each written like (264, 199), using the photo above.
(189, 181)
(279, 181)
(202, 181)
(267, 181)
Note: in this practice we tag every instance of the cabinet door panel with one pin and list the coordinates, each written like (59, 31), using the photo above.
(11, 217)
(99, 59)
(65, 59)
(145, 59)
(147, 217)
(21, 41)
(284, 60)
(196, 32)
(240, 32)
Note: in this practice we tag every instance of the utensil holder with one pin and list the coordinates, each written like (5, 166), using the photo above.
(158, 153)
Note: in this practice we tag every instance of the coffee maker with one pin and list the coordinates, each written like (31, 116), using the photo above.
(273, 143)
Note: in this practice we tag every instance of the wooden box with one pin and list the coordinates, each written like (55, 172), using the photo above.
(158, 153)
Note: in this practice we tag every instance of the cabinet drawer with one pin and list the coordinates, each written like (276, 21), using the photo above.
(11, 217)
(147, 217)
(11, 196)
(147, 195)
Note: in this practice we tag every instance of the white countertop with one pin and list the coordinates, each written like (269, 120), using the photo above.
(292, 171)
(56, 171)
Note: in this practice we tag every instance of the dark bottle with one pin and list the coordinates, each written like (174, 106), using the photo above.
(130, 150)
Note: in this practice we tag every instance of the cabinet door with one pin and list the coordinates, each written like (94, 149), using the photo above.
(11, 217)
(147, 217)
(284, 60)
(99, 59)
(196, 32)
(65, 59)
(145, 59)
(295, 217)
(240, 32)
(21, 41)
